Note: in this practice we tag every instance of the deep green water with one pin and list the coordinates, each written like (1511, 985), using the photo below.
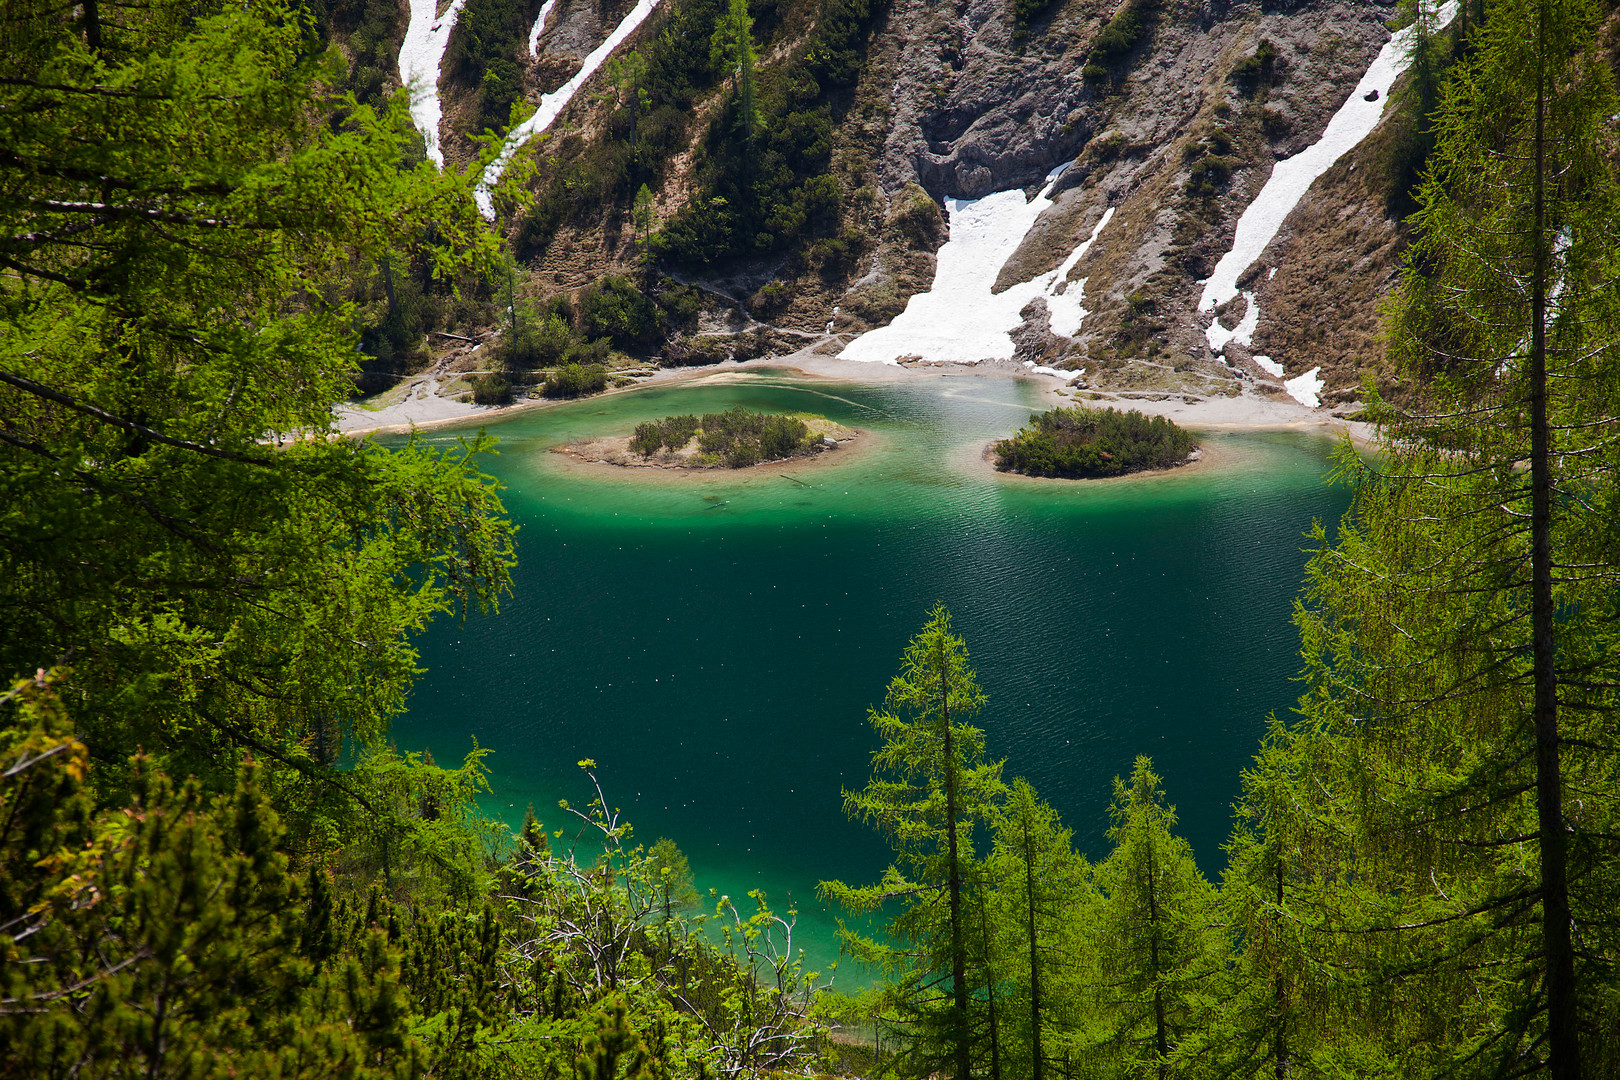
(714, 642)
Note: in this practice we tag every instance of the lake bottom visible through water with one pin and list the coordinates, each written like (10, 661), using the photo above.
(714, 642)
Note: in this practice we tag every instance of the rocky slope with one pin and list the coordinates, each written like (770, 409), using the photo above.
(1173, 113)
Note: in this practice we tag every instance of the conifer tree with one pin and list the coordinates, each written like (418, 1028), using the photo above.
(1156, 931)
(183, 181)
(1452, 816)
(1043, 900)
(930, 787)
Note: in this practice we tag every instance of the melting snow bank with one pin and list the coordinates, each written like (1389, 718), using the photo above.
(1217, 335)
(1304, 388)
(553, 103)
(539, 27)
(960, 319)
(1042, 369)
(1292, 177)
(1268, 365)
(419, 59)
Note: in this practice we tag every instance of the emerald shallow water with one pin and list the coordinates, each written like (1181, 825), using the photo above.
(714, 641)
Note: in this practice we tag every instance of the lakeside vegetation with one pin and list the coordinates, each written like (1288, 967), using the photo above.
(1078, 443)
(734, 439)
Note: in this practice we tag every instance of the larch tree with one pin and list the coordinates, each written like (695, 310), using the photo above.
(1458, 744)
(1043, 899)
(1155, 934)
(177, 521)
(931, 787)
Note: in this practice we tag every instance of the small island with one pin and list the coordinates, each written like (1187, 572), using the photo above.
(735, 439)
(1077, 443)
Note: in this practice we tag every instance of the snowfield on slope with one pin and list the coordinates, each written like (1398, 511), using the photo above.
(1290, 179)
(420, 55)
(552, 104)
(959, 319)
(539, 27)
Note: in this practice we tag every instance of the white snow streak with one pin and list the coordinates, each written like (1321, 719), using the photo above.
(419, 58)
(539, 27)
(1291, 178)
(1061, 373)
(1217, 335)
(552, 104)
(1304, 388)
(1268, 365)
(960, 319)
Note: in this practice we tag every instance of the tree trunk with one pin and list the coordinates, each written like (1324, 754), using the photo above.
(954, 874)
(1281, 1048)
(92, 24)
(1162, 1040)
(1563, 1046)
(1038, 1062)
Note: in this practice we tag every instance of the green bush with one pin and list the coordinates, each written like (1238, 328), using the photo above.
(646, 439)
(575, 380)
(737, 437)
(1077, 443)
(492, 389)
(670, 433)
(614, 308)
(1209, 173)
(1260, 69)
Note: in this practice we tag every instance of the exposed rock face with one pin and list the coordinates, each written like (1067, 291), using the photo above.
(1178, 135)
(976, 111)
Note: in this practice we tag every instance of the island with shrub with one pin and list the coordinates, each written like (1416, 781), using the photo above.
(1078, 443)
(735, 439)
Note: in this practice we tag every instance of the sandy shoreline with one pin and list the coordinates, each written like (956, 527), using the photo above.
(424, 410)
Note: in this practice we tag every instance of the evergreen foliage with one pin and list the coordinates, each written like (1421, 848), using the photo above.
(489, 41)
(763, 180)
(735, 438)
(1116, 41)
(931, 787)
(1077, 442)
(214, 588)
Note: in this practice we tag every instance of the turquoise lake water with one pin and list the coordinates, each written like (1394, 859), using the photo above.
(714, 641)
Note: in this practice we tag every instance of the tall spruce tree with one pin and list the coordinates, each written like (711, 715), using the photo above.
(931, 787)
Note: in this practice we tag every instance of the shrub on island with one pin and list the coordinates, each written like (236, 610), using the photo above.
(1077, 443)
(735, 438)
(670, 433)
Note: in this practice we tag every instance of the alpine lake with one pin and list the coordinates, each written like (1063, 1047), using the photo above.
(714, 640)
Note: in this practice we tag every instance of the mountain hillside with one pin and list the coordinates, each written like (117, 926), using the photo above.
(818, 219)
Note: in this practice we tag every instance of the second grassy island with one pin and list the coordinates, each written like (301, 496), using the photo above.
(1078, 443)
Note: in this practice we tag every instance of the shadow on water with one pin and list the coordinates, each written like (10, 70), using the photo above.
(714, 642)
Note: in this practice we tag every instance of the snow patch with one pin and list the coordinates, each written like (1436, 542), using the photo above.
(552, 104)
(1292, 177)
(960, 319)
(1217, 335)
(419, 58)
(539, 27)
(1268, 365)
(1061, 373)
(1304, 388)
